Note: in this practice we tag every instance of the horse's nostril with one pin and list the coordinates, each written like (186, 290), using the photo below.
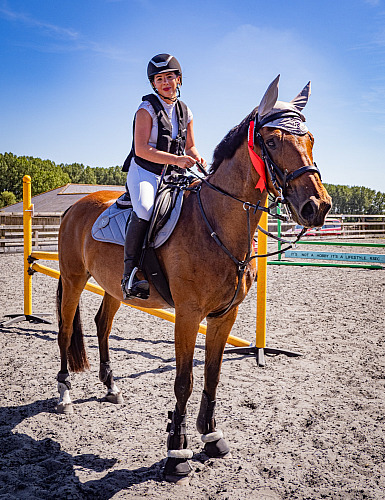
(308, 211)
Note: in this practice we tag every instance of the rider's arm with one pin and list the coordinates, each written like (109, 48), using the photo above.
(191, 150)
(143, 125)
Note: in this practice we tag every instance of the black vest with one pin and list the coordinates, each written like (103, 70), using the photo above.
(164, 142)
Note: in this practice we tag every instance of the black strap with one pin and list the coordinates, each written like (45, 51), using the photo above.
(178, 423)
(303, 170)
(241, 265)
(270, 118)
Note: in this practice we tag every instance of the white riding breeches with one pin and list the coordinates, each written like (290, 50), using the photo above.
(142, 186)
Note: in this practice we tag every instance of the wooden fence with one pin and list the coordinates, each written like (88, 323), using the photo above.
(45, 229)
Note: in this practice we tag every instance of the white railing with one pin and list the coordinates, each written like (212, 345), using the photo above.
(353, 226)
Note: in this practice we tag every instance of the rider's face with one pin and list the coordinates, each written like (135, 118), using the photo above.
(166, 84)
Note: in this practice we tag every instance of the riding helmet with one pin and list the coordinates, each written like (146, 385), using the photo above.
(162, 63)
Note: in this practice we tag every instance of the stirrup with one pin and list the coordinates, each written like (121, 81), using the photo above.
(132, 287)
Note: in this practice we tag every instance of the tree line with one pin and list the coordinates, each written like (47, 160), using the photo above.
(355, 200)
(46, 175)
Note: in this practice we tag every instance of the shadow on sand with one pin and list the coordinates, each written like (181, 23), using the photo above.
(36, 469)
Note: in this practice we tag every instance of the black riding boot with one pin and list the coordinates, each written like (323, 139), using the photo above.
(135, 234)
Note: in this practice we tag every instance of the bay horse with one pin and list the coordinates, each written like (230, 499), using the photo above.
(202, 260)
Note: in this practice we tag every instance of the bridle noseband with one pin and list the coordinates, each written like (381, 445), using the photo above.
(280, 180)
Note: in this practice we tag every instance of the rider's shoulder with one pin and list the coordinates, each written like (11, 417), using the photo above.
(146, 105)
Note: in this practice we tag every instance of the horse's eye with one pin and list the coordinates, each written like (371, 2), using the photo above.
(270, 143)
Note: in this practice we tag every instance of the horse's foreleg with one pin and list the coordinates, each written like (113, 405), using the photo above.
(103, 320)
(218, 330)
(177, 466)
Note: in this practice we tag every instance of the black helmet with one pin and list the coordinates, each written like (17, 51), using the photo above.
(162, 63)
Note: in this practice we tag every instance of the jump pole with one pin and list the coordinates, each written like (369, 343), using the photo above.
(280, 262)
(260, 349)
(30, 267)
(159, 313)
(27, 235)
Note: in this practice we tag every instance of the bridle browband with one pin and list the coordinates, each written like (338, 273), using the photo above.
(280, 180)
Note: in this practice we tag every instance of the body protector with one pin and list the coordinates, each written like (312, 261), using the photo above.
(164, 141)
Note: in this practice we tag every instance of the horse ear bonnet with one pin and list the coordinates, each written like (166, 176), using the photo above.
(294, 122)
(302, 98)
(269, 99)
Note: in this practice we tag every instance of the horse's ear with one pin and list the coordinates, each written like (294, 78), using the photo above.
(269, 99)
(302, 98)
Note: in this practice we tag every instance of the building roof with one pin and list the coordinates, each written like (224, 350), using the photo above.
(59, 199)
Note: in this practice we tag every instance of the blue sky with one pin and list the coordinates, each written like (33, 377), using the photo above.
(73, 73)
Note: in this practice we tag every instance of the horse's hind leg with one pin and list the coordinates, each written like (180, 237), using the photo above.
(218, 330)
(103, 320)
(70, 337)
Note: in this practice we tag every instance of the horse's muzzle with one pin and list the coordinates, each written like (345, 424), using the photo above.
(313, 212)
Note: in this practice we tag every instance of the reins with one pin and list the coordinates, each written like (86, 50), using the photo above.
(241, 264)
(247, 206)
(256, 206)
(280, 181)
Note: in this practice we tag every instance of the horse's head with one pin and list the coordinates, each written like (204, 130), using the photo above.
(286, 148)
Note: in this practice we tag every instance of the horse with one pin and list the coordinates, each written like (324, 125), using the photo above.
(208, 260)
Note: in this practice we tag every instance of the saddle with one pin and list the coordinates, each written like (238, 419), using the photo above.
(111, 225)
(165, 203)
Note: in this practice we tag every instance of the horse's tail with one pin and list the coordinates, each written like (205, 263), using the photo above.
(77, 356)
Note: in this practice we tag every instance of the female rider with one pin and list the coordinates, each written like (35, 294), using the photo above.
(163, 135)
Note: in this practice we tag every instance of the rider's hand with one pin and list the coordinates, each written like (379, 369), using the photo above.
(185, 161)
(203, 162)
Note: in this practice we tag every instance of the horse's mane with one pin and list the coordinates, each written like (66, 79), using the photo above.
(231, 142)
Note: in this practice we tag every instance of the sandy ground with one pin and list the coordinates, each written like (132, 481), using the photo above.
(310, 427)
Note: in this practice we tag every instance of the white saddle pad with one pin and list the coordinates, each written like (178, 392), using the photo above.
(110, 226)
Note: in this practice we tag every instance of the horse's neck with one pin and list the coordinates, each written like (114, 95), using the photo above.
(238, 178)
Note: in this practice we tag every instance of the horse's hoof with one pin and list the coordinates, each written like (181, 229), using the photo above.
(179, 481)
(177, 470)
(65, 408)
(225, 457)
(217, 449)
(117, 399)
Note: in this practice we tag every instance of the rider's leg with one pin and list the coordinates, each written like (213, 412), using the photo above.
(142, 186)
(135, 234)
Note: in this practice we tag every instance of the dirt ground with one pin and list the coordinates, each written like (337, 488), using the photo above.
(308, 427)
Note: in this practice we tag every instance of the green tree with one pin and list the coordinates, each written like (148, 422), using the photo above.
(112, 176)
(378, 206)
(43, 180)
(11, 174)
(88, 177)
(7, 198)
(356, 200)
(75, 172)
(45, 174)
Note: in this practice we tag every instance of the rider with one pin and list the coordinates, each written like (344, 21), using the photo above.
(163, 135)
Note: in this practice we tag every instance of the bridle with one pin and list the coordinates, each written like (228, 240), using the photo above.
(280, 180)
